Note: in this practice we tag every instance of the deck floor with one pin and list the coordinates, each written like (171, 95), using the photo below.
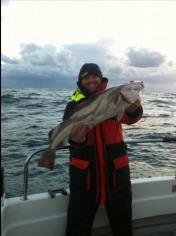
(107, 232)
(155, 226)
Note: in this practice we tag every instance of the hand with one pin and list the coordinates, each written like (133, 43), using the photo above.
(133, 107)
(78, 133)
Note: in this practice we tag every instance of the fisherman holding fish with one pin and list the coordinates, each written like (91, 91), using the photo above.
(99, 165)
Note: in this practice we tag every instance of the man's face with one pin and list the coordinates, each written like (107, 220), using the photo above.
(91, 82)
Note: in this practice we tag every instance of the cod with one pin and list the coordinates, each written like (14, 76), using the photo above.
(104, 105)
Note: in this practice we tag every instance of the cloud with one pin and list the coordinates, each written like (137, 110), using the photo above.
(144, 57)
(68, 58)
(29, 48)
(97, 53)
(9, 60)
(61, 58)
(38, 56)
(58, 66)
(28, 77)
(114, 71)
(61, 64)
(66, 61)
(41, 66)
(88, 52)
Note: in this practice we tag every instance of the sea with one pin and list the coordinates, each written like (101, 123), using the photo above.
(28, 114)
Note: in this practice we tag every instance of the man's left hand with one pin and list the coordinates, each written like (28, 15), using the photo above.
(133, 107)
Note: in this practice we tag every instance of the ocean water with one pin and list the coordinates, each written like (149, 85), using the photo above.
(29, 114)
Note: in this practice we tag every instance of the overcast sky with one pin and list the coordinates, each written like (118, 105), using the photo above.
(44, 43)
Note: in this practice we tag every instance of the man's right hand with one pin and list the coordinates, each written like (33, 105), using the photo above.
(78, 133)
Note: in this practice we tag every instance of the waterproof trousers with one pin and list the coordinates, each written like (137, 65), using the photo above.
(82, 210)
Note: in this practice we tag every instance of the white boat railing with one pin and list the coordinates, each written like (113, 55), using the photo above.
(28, 159)
(26, 170)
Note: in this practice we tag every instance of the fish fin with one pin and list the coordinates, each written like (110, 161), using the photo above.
(47, 159)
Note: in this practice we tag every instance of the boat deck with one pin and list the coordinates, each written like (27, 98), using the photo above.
(154, 212)
(154, 226)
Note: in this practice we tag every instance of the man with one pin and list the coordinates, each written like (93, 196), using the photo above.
(99, 167)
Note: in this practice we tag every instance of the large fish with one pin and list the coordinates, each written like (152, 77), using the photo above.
(99, 107)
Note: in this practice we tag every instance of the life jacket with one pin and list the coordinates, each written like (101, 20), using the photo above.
(105, 143)
(82, 93)
(77, 96)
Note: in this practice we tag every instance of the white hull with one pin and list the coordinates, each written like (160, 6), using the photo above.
(154, 212)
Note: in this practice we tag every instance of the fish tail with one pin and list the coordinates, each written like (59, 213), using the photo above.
(47, 159)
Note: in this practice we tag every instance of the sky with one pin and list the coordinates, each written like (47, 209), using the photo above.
(45, 43)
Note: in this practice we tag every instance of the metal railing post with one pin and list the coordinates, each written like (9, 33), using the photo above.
(26, 171)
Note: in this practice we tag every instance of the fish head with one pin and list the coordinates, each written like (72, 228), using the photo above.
(130, 91)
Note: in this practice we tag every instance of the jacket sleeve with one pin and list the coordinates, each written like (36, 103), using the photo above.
(130, 118)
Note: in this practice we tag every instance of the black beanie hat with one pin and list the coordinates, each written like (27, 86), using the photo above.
(88, 69)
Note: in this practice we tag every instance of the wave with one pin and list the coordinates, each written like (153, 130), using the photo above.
(29, 114)
(9, 98)
(160, 101)
(18, 97)
(31, 106)
(32, 127)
